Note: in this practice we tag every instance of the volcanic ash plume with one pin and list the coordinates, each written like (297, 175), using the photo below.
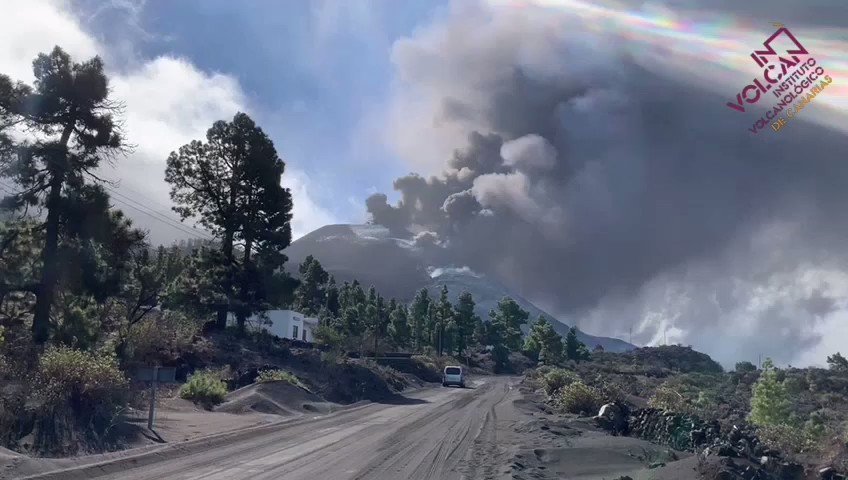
(615, 194)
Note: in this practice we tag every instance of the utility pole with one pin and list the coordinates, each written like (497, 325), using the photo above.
(440, 338)
(153, 385)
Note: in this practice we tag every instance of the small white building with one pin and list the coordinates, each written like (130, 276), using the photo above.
(286, 324)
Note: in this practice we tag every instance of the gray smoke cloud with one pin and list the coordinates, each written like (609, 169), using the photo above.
(617, 195)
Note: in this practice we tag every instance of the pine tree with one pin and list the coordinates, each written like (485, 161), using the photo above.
(444, 315)
(309, 296)
(419, 313)
(543, 343)
(837, 362)
(231, 184)
(381, 322)
(507, 320)
(345, 296)
(70, 108)
(574, 348)
(480, 334)
(504, 330)
(432, 324)
(331, 296)
(399, 329)
(358, 294)
(465, 320)
(770, 403)
(352, 321)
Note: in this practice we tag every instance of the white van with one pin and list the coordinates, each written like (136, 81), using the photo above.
(453, 375)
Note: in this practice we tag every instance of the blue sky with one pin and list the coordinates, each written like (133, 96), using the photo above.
(315, 74)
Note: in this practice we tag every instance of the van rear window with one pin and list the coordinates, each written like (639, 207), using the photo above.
(453, 371)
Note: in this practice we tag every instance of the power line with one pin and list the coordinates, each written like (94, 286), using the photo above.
(166, 217)
(176, 227)
(186, 229)
(162, 217)
(142, 195)
(173, 222)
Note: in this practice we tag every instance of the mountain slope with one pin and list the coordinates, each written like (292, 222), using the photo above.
(399, 267)
(365, 253)
(487, 293)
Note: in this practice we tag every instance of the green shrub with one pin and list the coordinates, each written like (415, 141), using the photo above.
(793, 439)
(557, 378)
(76, 399)
(89, 380)
(577, 397)
(205, 388)
(326, 335)
(279, 376)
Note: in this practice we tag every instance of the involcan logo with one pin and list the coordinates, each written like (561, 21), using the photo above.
(789, 73)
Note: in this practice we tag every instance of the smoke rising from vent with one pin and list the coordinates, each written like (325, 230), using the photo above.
(616, 194)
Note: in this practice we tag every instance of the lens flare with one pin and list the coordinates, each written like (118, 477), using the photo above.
(708, 47)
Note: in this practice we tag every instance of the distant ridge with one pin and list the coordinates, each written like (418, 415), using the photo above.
(399, 267)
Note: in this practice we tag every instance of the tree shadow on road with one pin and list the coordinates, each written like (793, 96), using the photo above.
(398, 399)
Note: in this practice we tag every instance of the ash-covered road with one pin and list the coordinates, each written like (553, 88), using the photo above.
(445, 433)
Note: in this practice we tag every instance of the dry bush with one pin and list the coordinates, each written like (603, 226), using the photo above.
(667, 397)
(161, 337)
(280, 376)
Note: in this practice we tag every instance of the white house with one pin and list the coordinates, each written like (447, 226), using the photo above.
(286, 324)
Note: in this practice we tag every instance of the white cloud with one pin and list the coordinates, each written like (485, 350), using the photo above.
(29, 27)
(168, 102)
(307, 215)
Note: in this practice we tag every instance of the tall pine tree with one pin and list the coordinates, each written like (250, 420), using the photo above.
(419, 311)
(504, 329)
(309, 296)
(231, 184)
(465, 320)
(543, 343)
(444, 315)
(399, 324)
(70, 109)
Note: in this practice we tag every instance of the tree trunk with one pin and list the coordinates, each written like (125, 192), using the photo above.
(227, 250)
(50, 253)
(241, 314)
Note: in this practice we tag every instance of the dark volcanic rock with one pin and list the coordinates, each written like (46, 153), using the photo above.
(741, 454)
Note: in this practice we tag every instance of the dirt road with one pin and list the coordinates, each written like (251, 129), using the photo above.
(445, 433)
(493, 430)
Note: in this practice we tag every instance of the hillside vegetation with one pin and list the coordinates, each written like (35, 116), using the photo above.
(86, 299)
(800, 414)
